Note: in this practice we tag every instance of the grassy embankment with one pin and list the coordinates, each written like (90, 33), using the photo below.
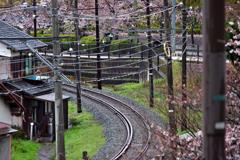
(24, 150)
(85, 135)
(140, 93)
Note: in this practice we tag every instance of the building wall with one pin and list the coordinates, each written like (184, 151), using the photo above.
(17, 121)
(5, 67)
(5, 114)
(4, 51)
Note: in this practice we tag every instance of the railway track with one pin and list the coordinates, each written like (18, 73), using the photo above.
(135, 129)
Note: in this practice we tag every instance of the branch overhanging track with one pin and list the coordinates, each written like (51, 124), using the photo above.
(129, 127)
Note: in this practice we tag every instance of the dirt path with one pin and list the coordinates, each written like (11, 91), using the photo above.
(45, 152)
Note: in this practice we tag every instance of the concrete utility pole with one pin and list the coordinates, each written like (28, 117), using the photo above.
(214, 79)
(150, 55)
(184, 66)
(99, 72)
(59, 120)
(35, 19)
(172, 120)
(173, 38)
(78, 72)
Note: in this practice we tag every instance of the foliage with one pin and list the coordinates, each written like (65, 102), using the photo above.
(91, 40)
(115, 45)
(86, 136)
(74, 117)
(20, 134)
(83, 40)
(46, 35)
(120, 41)
(22, 149)
(72, 37)
(188, 146)
(233, 33)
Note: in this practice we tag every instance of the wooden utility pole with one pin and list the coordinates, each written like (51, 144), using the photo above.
(99, 72)
(172, 123)
(78, 72)
(184, 66)
(59, 120)
(150, 55)
(214, 79)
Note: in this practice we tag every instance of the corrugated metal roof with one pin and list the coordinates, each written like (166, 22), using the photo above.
(31, 89)
(8, 31)
(50, 97)
(7, 130)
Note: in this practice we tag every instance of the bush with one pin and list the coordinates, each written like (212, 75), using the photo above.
(115, 44)
(74, 121)
(120, 41)
(46, 35)
(134, 37)
(20, 134)
(83, 40)
(91, 40)
(39, 33)
(195, 30)
(48, 31)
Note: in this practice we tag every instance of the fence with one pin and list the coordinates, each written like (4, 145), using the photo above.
(131, 50)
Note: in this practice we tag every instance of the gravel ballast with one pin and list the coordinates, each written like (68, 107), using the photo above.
(111, 125)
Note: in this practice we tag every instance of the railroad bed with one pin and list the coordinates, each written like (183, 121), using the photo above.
(125, 124)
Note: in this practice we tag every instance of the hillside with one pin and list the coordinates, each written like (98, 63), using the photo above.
(198, 3)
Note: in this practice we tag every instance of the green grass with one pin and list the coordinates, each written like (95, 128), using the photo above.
(140, 93)
(24, 150)
(87, 136)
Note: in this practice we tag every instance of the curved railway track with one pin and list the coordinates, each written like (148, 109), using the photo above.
(137, 128)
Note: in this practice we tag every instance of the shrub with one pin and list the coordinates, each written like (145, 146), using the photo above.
(115, 44)
(46, 35)
(74, 121)
(195, 30)
(39, 33)
(83, 40)
(20, 134)
(48, 31)
(91, 40)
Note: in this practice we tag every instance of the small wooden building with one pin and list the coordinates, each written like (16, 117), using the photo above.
(10, 113)
(38, 98)
(15, 61)
(15, 64)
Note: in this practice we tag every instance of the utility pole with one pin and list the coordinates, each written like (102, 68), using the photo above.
(35, 19)
(193, 22)
(98, 49)
(150, 55)
(173, 37)
(184, 66)
(172, 120)
(161, 24)
(214, 79)
(78, 72)
(59, 120)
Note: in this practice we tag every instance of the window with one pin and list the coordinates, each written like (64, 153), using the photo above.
(29, 65)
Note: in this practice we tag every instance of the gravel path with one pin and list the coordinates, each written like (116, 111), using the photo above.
(45, 152)
(111, 129)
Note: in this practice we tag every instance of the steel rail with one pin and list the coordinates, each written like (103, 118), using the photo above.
(121, 116)
(147, 143)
